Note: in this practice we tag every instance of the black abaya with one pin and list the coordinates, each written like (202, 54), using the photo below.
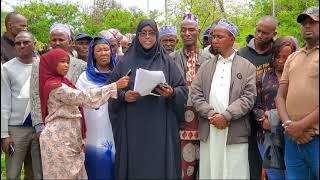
(146, 132)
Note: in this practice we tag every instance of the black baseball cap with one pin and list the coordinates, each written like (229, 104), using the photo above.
(83, 36)
(312, 12)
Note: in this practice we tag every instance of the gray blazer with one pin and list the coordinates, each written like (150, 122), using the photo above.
(181, 60)
(76, 67)
(241, 99)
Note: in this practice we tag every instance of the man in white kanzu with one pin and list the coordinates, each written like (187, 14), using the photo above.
(223, 94)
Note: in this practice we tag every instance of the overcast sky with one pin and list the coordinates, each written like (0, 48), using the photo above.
(6, 5)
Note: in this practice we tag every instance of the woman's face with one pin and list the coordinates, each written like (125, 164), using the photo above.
(114, 45)
(63, 66)
(102, 55)
(147, 37)
(281, 58)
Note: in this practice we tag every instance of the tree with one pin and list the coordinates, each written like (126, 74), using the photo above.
(285, 12)
(243, 15)
(102, 6)
(42, 16)
(207, 12)
(155, 14)
(107, 14)
(124, 20)
(3, 27)
(102, 16)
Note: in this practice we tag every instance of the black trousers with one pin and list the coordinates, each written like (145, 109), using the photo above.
(255, 161)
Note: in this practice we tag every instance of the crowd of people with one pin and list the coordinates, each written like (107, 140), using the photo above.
(223, 113)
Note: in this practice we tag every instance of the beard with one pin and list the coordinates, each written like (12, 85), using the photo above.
(215, 51)
(265, 43)
(169, 49)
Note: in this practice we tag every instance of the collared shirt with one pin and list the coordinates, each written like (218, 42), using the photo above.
(222, 78)
(190, 128)
(301, 73)
(209, 50)
(190, 70)
(8, 50)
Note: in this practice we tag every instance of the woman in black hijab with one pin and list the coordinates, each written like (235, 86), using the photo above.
(146, 128)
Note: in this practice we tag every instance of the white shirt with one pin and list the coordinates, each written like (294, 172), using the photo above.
(15, 93)
(221, 161)
(220, 85)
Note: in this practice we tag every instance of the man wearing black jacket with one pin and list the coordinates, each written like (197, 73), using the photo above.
(258, 52)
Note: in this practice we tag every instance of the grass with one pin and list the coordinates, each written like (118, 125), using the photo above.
(3, 167)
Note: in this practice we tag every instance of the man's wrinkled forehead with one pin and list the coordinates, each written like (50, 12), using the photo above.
(169, 36)
(23, 37)
(59, 32)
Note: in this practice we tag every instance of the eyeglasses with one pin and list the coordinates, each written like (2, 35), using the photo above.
(145, 34)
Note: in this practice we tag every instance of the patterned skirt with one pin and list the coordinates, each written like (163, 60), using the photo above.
(190, 145)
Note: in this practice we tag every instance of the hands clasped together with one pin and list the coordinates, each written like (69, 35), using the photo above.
(219, 121)
(293, 129)
(296, 131)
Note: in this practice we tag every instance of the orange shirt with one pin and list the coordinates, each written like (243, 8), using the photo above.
(301, 73)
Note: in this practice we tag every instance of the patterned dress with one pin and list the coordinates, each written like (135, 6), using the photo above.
(60, 142)
(76, 67)
(267, 88)
(189, 134)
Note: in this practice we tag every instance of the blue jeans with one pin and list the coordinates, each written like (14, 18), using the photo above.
(302, 161)
(273, 174)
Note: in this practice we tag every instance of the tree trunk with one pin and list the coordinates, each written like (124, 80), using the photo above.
(220, 2)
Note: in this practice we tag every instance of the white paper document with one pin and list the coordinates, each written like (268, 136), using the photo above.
(146, 81)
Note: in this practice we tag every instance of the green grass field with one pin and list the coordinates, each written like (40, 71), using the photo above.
(3, 166)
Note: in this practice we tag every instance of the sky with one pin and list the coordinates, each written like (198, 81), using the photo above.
(142, 4)
(6, 5)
